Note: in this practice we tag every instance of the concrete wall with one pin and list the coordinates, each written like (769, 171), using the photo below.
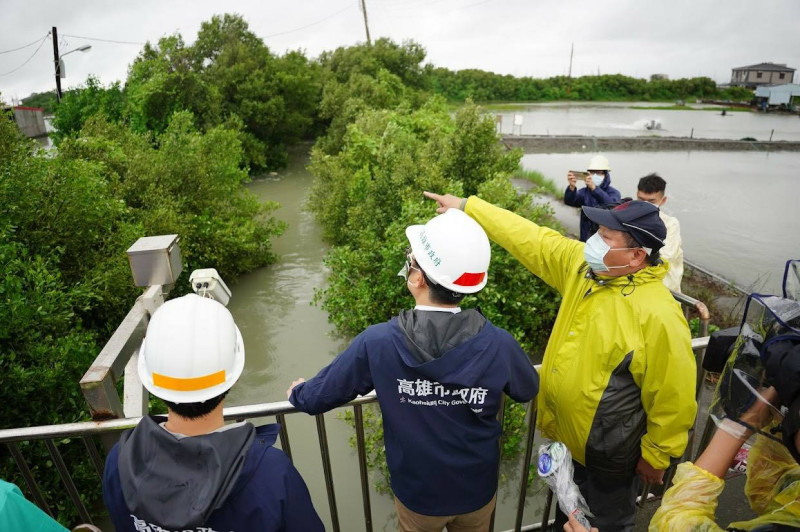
(30, 121)
(571, 144)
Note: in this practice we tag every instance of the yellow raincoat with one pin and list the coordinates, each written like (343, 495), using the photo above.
(618, 375)
(773, 489)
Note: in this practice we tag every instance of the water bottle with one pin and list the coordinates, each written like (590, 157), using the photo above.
(555, 467)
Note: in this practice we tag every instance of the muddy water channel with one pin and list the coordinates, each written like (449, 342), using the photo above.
(287, 337)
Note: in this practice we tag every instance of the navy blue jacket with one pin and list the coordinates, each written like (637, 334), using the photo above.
(602, 195)
(439, 417)
(268, 495)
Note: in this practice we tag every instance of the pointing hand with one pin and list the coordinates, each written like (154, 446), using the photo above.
(444, 202)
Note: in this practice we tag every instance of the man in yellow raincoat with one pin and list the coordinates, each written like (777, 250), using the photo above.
(618, 375)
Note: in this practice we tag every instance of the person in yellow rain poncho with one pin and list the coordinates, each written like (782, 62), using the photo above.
(767, 352)
(618, 375)
(772, 488)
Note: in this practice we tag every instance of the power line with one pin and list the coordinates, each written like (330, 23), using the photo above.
(309, 25)
(26, 61)
(27, 45)
(104, 40)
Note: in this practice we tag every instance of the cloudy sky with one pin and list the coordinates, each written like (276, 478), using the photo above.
(681, 38)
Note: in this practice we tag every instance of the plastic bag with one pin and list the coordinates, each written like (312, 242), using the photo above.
(738, 403)
(773, 490)
(555, 467)
(773, 485)
(689, 505)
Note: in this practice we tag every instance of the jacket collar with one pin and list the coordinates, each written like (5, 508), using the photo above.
(649, 274)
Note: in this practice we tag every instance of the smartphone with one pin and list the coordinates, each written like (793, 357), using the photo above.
(580, 175)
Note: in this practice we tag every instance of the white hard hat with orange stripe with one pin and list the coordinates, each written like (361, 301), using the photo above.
(453, 251)
(192, 351)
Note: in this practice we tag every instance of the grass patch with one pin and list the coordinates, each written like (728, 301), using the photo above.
(543, 184)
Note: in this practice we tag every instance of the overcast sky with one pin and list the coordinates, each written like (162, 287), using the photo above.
(681, 38)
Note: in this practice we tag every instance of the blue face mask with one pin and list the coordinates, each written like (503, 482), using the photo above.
(595, 252)
(598, 179)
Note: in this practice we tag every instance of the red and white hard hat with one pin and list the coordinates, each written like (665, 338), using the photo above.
(453, 251)
(192, 351)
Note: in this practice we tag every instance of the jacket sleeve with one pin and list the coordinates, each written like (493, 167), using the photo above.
(574, 198)
(523, 380)
(299, 514)
(667, 383)
(547, 254)
(690, 503)
(605, 196)
(672, 244)
(340, 382)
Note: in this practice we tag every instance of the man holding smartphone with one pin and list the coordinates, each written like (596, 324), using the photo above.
(597, 192)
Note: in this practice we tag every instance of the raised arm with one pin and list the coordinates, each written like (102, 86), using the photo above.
(546, 253)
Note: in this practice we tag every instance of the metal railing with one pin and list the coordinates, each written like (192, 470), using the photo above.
(52, 434)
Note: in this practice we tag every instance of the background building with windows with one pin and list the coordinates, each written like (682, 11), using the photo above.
(762, 74)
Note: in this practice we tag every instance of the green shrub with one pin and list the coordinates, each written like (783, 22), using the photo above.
(66, 220)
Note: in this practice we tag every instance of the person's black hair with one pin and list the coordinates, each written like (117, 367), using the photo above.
(439, 294)
(196, 410)
(652, 183)
(652, 259)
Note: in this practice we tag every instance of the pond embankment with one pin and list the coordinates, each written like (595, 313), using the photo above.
(578, 143)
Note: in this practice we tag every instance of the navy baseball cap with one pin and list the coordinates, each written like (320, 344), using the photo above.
(638, 218)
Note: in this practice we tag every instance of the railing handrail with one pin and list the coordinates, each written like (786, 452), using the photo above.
(91, 428)
(88, 428)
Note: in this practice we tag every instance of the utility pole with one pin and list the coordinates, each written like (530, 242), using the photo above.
(571, 51)
(569, 74)
(54, 35)
(366, 25)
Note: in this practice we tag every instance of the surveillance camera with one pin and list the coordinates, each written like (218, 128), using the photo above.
(208, 283)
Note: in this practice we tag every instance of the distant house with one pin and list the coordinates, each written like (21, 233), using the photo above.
(762, 74)
(788, 95)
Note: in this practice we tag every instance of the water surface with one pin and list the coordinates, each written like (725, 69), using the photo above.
(622, 119)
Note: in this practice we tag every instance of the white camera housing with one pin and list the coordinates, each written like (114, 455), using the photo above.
(207, 282)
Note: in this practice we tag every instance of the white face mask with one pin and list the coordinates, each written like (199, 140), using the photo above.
(595, 252)
(597, 179)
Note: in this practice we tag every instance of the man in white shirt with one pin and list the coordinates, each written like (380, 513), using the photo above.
(652, 189)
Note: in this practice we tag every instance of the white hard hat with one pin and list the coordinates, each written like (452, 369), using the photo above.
(453, 251)
(598, 162)
(192, 351)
